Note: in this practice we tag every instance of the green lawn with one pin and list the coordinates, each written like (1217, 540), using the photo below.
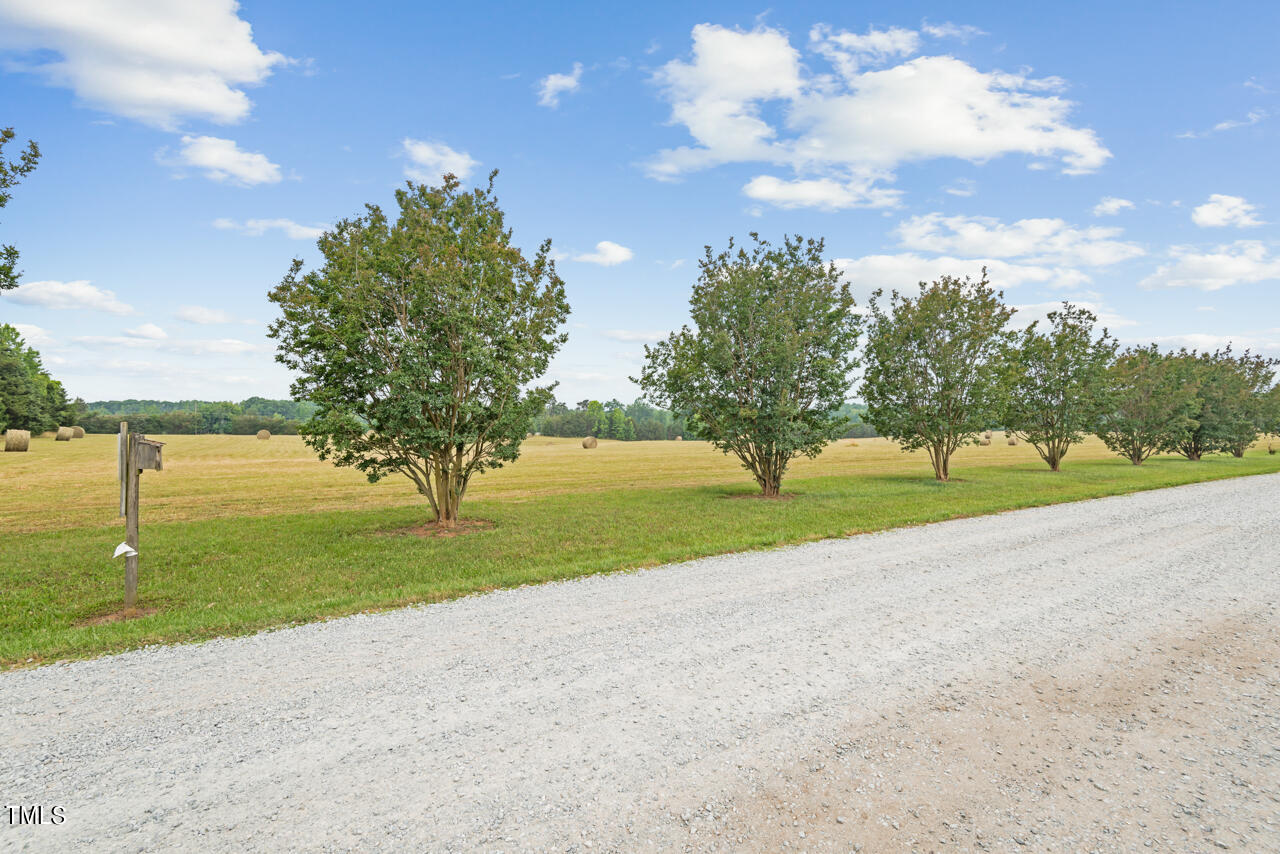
(210, 575)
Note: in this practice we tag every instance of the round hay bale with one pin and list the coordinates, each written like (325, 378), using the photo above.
(63, 435)
(986, 435)
(985, 442)
(1013, 440)
(679, 438)
(77, 432)
(264, 434)
(589, 442)
(853, 443)
(17, 440)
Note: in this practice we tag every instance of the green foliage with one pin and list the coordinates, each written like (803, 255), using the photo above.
(419, 340)
(178, 417)
(1152, 403)
(1229, 392)
(938, 366)
(1059, 391)
(11, 174)
(30, 399)
(1269, 412)
(769, 359)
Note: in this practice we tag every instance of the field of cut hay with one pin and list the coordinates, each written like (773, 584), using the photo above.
(240, 534)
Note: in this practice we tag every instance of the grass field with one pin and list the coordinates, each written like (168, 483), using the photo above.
(240, 535)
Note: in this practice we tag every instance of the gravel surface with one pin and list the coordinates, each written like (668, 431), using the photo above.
(1092, 676)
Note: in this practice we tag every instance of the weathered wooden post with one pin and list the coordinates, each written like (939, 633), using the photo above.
(137, 452)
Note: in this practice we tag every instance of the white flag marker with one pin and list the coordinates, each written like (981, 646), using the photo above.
(124, 549)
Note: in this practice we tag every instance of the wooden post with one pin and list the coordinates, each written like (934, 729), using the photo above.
(131, 533)
(130, 483)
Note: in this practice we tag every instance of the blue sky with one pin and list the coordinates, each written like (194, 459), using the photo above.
(1119, 157)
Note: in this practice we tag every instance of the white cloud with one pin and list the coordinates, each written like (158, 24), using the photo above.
(1039, 311)
(822, 193)
(205, 316)
(948, 30)
(1251, 118)
(607, 254)
(259, 227)
(848, 52)
(551, 87)
(69, 295)
(222, 160)
(1041, 241)
(1264, 342)
(186, 346)
(155, 62)
(1110, 206)
(149, 331)
(633, 335)
(1242, 262)
(429, 161)
(1223, 210)
(35, 336)
(860, 126)
(963, 187)
(904, 271)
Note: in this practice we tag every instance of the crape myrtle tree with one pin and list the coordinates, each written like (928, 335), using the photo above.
(419, 340)
(11, 173)
(1152, 403)
(1228, 390)
(1249, 379)
(937, 366)
(1059, 389)
(767, 362)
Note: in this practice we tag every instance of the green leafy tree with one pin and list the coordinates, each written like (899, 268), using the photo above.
(599, 419)
(1152, 403)
(419, 340)
(1269, 412)
(11, 174)
(1060, 389)
(1227, 390)
(618, 425)
(29, 397)
(1247, 379)
(768, 361)
(938, 366)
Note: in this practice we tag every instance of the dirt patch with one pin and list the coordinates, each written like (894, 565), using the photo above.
(1168, 747)
(431, 529)
(759, 496)
(116, 616)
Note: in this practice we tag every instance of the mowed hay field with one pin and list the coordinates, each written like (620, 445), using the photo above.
(240, 534)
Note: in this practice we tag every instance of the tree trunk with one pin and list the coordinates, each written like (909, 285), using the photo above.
(447, 499)
(941, 463)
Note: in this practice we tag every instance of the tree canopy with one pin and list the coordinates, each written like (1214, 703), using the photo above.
(11, 174)
(1060, 386)
(420, 338)
(30, 399)
(937, 366)
(1152, 403)
(766, 366)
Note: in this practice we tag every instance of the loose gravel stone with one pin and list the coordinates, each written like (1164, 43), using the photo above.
(1091, 676)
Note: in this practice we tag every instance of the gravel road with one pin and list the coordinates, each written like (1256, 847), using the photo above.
(1093, 676)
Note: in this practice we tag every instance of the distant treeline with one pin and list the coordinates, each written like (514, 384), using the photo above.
(281, 417)
(638, 421)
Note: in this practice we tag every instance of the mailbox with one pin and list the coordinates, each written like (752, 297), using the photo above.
(146, 453)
